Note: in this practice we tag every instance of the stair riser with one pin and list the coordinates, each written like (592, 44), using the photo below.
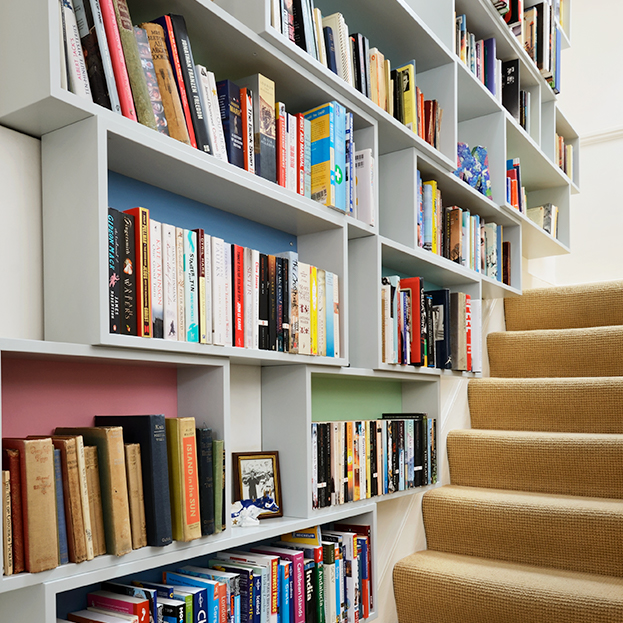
(576, 540)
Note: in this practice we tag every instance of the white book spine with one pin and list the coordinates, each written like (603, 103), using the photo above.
(227, 305)
(249, 310)
(215, 125)
(304, 309)
(364, 198)
(476, 305)
(291, 176)
(102, 42)
(340, 465)
(322, 311)
(191, 288)
(322, 50)
(157, 300)
(256, 298)
(336, 315)
(62, 46)
(218, 291)
(84, 496)
(169, 282)
(179, 271)
(275, 14)
(208, 287)
(78, 79)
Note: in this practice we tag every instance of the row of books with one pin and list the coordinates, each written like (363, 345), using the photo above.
(479, 56)
(359, 460)
(515, 99)
(316, 576)
(563, 156)
(429, 328)
(546, 217)
(365, 68)
(537, 27)
(179, 284)
(515, 192)
(455, 233)
(148, 74)
(127, 482)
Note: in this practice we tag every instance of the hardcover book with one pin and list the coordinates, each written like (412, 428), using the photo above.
(157, 294)
(7, 531)
(218, 474)
(127, 259)
(10, 463)
(212, 112)
(231, 117)
(95, 500)
(206, 480)
(136, 499)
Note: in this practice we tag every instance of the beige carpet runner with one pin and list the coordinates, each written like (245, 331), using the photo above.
(531, 528)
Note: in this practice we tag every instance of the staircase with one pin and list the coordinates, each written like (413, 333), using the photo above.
(531, 528)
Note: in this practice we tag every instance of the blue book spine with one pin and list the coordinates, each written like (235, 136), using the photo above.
(340, 157)
(200, 606)
(257, 598)
(330, 318)
(231, 116)
(60, 510)
(237, 609)
(291, 593)
(329, 42)
(384, 444)
(490, 57)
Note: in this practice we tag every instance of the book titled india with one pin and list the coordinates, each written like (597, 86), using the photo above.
(149, 432)
(206, 480)
(149, 71)
(36, 465)
(142, 267)
(231, 117)
(138, 84)
(60, 510)
(127, 257)
(114, 264)
(171, 103)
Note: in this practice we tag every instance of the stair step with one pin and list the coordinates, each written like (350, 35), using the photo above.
(445, 588)
(556, 353)
(558, 463)
(573, 405)
(566, 307)
(556, 531)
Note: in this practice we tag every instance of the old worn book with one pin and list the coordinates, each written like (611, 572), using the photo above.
(74, 518)
(183, 481)
(7, 532)
(95, 500)
(135, 494)
(140, 92)
(38, 502)
(166, 82)
(113, 482)
(11, 463)
(84, 496)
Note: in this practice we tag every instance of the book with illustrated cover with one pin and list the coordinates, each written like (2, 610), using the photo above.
(115, 226)
(191, 286)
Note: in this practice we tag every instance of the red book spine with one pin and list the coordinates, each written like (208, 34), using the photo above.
(119, 68)
(300, 153)
(179, 78)
(238, 272)
(468, 329)
(142, 266)
(17, 520)
(281, 144)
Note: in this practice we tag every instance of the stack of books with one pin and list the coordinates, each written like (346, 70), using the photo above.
(429, 328)
(354, 461)
(178, 284)
(310, 576)
(148, 74)
(127, 482)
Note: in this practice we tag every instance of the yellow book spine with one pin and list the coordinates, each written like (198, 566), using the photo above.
(409, 107)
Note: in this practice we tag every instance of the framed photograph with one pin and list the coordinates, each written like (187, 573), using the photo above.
(256, 477)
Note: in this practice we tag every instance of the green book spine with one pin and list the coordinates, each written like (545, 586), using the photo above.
(218, 451)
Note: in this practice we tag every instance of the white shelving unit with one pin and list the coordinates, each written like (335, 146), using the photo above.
(85, 146)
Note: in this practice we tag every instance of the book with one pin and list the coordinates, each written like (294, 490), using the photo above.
(127, 260)
(169, 282)
(139, 592)
(202, 315)
(263, 92)
(142, 268)
(123, 604)
(95, 500)
(77, 77)
(231, 117)
(113, 482)
(206, 479)
(94, 615)
(510, 87)
(218, 475)
(248, 135)
(138, 83)
(191, 286)
(183, 481)
(458, 331)
(171, 103)
(38, 502)
(7, 530)
(342, 46)
(156, 275)
(136, 500)
(212, 112)
(149, 431)
(441, 331)
(364, 183)
(114, 269)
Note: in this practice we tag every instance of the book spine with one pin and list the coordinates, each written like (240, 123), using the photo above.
(157, 296)
(7, 531)
(95, 500)
(231, 117)
(246, 113)
(128, 275)
(256, 298)
(211, 112)
(238, 294)
(304, 293)
(272, 302)
(138, 83)
(300, 154)
(180, 295)
(169, 282)
(218, 291)
(201, 286)
(248, 297)
(17, 521)
(321, 317)
(142, 267)
(135, 495)
(279, 304)
(207, 302)
(265, 131)
(292, 171)
(228, 298)
(176, 66)
(282, 143)
(114, 265)
(313, 317)
(190, 286)
(206, 480)
(78, 79)
(84, 497)
(171, 102)
(218, 453)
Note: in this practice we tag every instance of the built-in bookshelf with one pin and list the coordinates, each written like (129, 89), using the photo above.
(93, 159)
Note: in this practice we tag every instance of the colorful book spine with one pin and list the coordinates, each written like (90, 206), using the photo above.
(114, 265)
(281, 127)
(191, 293)
(128, 276)
(323, 154)
(157, 292)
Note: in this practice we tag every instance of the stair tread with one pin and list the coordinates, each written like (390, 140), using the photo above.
(452, 588)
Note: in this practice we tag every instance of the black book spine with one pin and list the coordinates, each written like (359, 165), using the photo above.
(310, 595)
(231, 116)
(285, 322)
(149, 432)
(356, 62)
(263, 303)
(510, 87)
(373, 458)
(366, 62)
(425, 451)
(430, 340)
(395, 455)
(206, 480)
(279, 297)
(418, 458)
(299, 25)
(345, 474)
(114, 264)
(363, 69)
(402, 449)
(327, 463)
(128, 275)
(190, 82)
(433, 446)
(272, 303)
(322, 473)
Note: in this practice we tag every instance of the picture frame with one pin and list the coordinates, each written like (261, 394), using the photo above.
(256, 474)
